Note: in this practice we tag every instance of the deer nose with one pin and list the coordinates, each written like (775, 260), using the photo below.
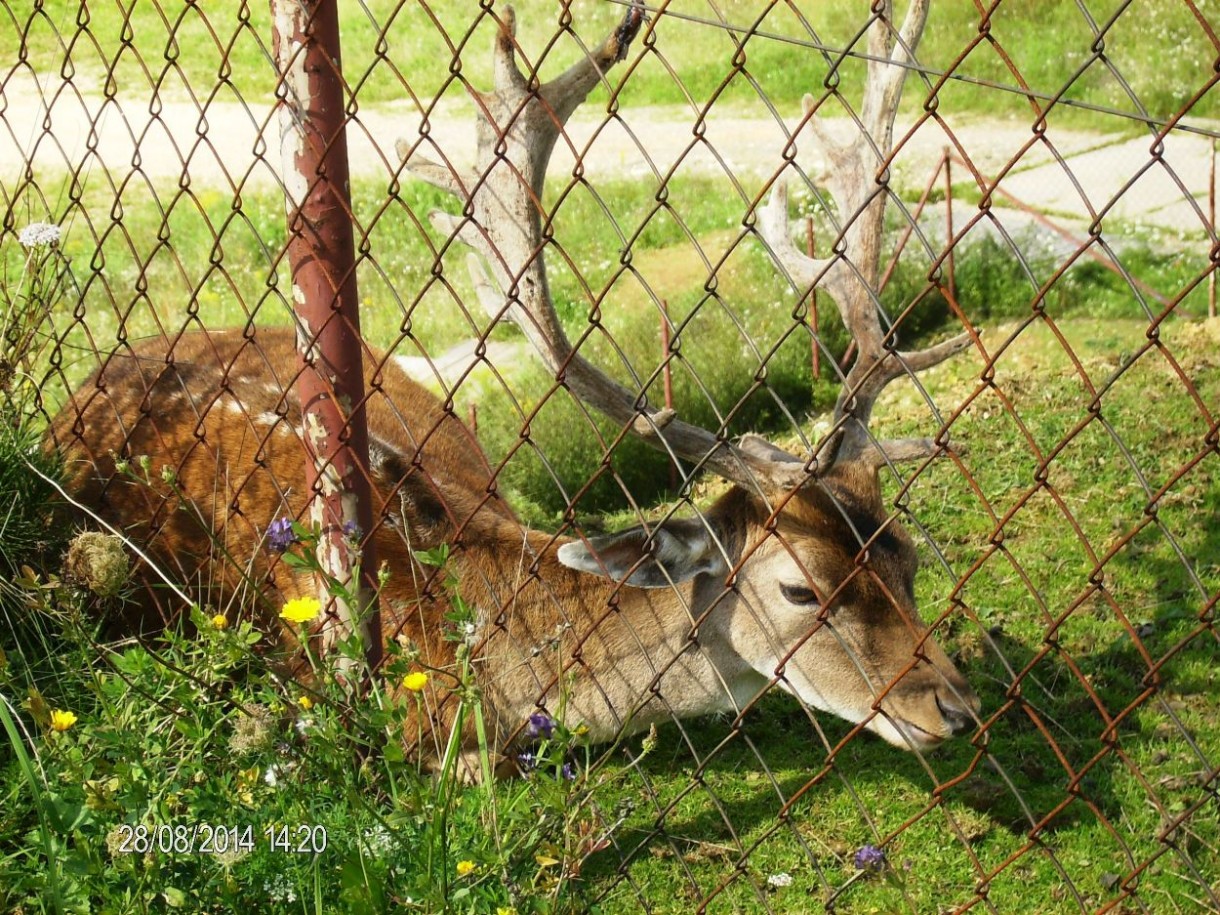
(960, 710)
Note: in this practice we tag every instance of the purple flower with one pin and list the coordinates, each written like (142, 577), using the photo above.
(540, 725)
(527, 762)
(280, 535)
(568, 772)
(870, 858)
(351, 530)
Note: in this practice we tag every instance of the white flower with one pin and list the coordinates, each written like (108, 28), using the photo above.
(379, 839)
(303, 724)
(39, 234)
(781, 879)
(272, 778)
(280, 889)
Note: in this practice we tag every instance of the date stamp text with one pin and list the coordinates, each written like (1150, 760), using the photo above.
(216, 839)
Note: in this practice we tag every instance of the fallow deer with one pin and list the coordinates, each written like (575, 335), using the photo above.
(798, 576)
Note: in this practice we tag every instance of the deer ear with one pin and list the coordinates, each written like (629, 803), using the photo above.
(676, 551)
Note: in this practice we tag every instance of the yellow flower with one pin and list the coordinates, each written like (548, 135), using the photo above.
(220, 621)
(305, 702)
(465, 868)
(415, 681)
(506, 910)
(301, 609)
(62, 720)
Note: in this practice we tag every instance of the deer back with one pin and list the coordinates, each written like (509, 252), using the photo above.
(193, 447)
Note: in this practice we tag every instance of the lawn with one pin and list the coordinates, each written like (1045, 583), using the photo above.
(424, 51)
(1048, 578)
(695, 816)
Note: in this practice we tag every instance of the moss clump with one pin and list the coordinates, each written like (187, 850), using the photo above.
(98, 562)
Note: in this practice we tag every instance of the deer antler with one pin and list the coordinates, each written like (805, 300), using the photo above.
(519, 122)
(858, 180)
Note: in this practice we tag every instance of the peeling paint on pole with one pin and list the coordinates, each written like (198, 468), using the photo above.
(321, 252)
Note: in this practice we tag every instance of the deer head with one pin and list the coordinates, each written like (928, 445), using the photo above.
(800, 576)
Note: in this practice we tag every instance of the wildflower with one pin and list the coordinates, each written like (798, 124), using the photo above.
(40, 235)
(305, 702)
(61, 720)
(568, 771)
(540, 725)
(280, 889)
(304, 723)
(280, 535)
(98, 562)
(118, 842)
(252, 730)
(352, 532)
(415, 681)
(870, 858)
(231, 856)
(506, 910)
(272, 776)
(301, 609)
(780, 879)
(379, 839)
(466, 868)
(527, 762)
(220, 621)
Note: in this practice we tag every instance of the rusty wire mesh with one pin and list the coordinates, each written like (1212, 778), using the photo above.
(1069, 553)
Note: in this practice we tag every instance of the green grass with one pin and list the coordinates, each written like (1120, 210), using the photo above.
(1043, 569)
(412, 52)
(678, 838)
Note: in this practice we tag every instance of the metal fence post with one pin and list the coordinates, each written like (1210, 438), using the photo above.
(816, 355)
(947, 159)
(321, 252)
(1211, 216)
(667, 381)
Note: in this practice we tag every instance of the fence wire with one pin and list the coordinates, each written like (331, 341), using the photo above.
(1054, 203)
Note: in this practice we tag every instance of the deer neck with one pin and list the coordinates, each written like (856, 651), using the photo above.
(591, 652)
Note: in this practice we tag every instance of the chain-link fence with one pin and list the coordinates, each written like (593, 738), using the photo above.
(592, 245)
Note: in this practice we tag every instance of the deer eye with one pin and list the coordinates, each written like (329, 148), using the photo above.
(801, 595)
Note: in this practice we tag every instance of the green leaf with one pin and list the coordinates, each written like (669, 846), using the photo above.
(297, 561)
(66, 815)
(174, 897)
(436, 557)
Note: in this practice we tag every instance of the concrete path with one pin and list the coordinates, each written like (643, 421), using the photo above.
(228, 145)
